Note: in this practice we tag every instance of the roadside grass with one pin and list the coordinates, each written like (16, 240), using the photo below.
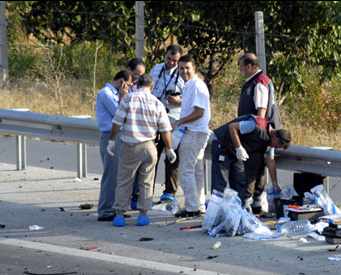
(78, 99)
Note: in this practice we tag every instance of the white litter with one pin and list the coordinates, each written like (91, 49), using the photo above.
(334, 258)
(35, 227)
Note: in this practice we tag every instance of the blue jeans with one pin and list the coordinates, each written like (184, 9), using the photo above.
(108, 181)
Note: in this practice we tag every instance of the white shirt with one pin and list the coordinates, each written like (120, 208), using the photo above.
(261, 95)
(167, 80)
(196, 94)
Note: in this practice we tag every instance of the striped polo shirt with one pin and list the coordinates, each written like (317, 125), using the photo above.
(141, 116)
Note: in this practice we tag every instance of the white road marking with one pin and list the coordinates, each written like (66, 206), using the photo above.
(109, 258)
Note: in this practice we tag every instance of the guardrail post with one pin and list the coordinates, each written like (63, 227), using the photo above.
(81, 160)
(21, 152)
(206, 176)
(85, 161)
(327, 185)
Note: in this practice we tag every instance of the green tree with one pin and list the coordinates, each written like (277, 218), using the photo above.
(75, 21)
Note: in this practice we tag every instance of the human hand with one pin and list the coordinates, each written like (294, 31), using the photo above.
(111, 148)
(174, 124)
(241, 153)
(171, 156)
(124, 88)
(277, 189)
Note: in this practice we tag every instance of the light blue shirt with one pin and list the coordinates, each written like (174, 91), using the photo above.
(247, 126)
(107, 102)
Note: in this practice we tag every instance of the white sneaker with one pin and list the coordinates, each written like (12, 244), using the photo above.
(248, 205)
(261, 202)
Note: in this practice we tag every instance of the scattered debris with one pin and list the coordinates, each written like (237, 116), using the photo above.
(216, 245)
(89, 247)
(190, 227)
(43, 210)
(299, 258)
(334, 258)
(334, 249)
(96, 178)
(77, 180)
(61, 209)
(35, 227)
(303, 240)
(2, 225)
(86, 206)
(145, 239)
(190, 247)
(59, 273)
(51, 167)
(317, 237)
(211, 257)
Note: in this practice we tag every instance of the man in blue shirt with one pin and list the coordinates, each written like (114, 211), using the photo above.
(107, 103)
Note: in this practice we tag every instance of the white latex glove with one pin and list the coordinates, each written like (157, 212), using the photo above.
(241, 153)
(111, 148)
(171, 156)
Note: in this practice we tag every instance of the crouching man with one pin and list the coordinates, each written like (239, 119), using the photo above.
(238, 154)
(140, 116)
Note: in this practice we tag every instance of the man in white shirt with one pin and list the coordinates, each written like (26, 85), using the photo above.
(168, 86)
(194, 119)
(257, 97)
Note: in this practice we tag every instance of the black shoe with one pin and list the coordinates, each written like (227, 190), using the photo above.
(187, 214)
(106, 218)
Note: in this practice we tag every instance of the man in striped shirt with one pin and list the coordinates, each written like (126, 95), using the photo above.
(140, 116)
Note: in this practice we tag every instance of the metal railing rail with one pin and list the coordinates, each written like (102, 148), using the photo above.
(83, 130)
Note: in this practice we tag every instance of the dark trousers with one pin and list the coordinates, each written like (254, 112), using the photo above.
(246, 178)
(171, 169)
(255, 173)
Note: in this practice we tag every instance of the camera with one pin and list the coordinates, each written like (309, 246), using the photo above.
(172, 93)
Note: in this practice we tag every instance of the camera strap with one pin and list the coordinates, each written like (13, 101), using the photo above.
(166, 84)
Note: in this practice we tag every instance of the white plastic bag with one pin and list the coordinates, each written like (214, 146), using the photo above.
(214, 213)
(324, 201)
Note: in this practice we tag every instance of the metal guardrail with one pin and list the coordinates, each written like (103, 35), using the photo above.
(22, 123)
(83, 130)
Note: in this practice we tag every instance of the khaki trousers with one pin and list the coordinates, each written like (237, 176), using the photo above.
(136, 160)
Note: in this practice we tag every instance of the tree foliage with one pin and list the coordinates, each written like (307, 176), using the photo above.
(75, 21)
(296, 32)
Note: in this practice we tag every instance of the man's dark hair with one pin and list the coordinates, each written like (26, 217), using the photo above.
(284, 137)
(248, 58)
(187, 58)
(174, 49)
(144, 81)
(125, 75)
(133, 63)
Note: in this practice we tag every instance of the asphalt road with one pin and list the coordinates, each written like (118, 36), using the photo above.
(61, 156)
(48, 194)
(18, 260)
